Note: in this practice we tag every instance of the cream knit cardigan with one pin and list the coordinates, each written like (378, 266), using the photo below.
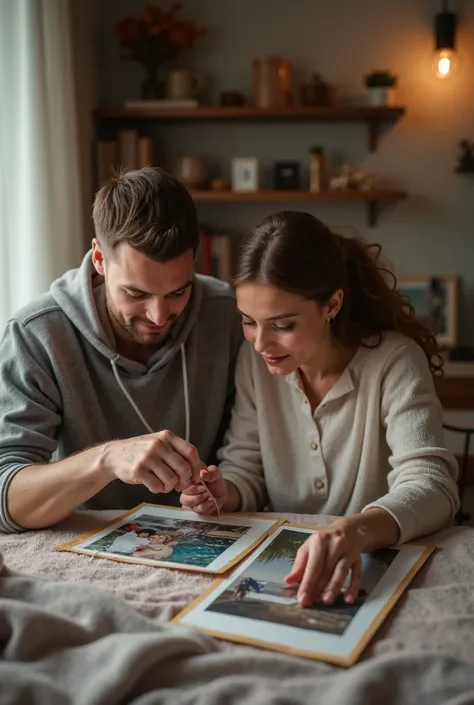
(375, 440)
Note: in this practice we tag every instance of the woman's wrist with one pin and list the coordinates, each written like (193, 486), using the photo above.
(375, 528)
(233, 500)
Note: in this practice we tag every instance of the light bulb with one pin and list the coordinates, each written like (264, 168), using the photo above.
(445, 63)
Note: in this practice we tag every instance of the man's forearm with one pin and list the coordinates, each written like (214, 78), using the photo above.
(42, 495)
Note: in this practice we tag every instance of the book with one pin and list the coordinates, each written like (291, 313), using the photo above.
(107, 159)
(128, 153)
(215, 256)
(145, 156)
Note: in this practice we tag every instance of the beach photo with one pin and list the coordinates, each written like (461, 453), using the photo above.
(261, 593)
(195, 543)
(175, 538)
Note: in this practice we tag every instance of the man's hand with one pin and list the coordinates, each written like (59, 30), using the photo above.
(197, 497)
(160, 461)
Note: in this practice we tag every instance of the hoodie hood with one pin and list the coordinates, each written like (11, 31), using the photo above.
(80, 293)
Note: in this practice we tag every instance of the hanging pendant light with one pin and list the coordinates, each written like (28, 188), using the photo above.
(445, 37)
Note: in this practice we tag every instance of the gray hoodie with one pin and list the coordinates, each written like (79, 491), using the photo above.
(64, 388)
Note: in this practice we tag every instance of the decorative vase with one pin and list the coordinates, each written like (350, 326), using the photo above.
(272, 82)
(191, 171)
(381, 96)
(152, 87)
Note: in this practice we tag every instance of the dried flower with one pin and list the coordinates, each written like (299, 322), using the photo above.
(156, 34)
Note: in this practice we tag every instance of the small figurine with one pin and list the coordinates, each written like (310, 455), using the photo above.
(349, 178)
(466, 156)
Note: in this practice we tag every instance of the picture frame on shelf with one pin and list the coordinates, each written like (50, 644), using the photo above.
(287, 176)
(245, 174)
(436, 303)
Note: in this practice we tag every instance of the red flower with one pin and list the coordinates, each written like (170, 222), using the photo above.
(127, 30)
(156, 33)
(154, 30)
(153, 14)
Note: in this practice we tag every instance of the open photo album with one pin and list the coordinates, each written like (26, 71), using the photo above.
(255, 606)
(175, 538)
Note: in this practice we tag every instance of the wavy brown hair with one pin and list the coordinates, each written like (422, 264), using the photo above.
(296, 252)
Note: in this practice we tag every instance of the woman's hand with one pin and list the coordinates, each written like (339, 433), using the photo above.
(324, 562)
(198, 498)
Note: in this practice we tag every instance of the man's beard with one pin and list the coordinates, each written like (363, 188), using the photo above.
(147, 339)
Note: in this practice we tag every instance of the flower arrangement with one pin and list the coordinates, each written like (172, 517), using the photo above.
(153, 37)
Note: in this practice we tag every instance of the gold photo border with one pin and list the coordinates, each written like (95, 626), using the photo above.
(315, 655)
(73, 543)
(451, 282)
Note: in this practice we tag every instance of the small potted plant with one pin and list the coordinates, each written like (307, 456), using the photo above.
(380, 85)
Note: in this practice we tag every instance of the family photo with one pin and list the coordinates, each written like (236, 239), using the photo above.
(194, 543)
(260, 592)
(167, 536)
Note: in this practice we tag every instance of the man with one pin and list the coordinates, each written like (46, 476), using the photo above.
(129, 542)
(117, 384)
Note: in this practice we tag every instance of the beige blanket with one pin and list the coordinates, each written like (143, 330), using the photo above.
(426, 647)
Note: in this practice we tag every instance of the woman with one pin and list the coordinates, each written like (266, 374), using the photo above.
(159, 548)
(336, 411)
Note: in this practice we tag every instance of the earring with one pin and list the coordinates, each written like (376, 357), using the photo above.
(332, 321)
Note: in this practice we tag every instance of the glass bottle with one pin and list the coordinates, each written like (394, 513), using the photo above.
(317, 169)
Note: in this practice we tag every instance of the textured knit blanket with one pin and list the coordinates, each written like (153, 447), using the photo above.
(65, 639)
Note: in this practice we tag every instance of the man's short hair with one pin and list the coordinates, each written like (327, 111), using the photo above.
(149, 210)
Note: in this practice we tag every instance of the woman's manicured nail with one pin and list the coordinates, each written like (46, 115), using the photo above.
(328, 596)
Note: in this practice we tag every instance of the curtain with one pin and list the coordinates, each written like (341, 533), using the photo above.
(41, 206)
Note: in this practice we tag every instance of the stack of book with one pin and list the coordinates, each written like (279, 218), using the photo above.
(128, 151)
(215, 256)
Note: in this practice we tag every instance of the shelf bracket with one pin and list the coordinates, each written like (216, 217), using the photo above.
(373, 135)
(372, 213)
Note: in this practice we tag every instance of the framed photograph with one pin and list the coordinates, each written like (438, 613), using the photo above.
(175, 538)
(245, 174)
(435, 300)
(255, 606)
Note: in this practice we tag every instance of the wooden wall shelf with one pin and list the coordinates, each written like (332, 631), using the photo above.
(373, 116)
(371, 198)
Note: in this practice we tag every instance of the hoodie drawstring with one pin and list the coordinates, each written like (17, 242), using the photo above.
(187, 413)
(186, 393)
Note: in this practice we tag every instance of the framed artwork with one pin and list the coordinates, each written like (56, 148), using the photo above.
(175, 538)
(435, 300)
(255, 605)
(245, 174)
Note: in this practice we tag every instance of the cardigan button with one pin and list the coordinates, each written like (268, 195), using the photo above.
(319, 485)
(314, 446)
